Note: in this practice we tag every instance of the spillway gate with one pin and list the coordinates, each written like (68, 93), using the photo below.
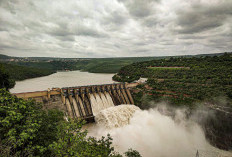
(85, 102)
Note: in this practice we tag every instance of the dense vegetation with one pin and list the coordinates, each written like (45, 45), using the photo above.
(95, 65)
(5, 81)
(182, 80)
(109, 65)
(197, 82)
(41, 66)
(16, 72)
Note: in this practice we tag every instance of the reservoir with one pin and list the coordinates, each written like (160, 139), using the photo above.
(61, 79)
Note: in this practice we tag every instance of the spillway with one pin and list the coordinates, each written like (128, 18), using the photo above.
(87, 102)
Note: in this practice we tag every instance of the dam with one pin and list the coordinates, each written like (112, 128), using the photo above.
(83, 102)
(148, 131)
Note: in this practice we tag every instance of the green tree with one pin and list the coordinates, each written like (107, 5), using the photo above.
(73, 141)
(132, 153)
(26, 129)
(5, 81)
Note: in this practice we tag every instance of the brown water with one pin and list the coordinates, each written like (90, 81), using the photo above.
(152, 133)
(61, 79)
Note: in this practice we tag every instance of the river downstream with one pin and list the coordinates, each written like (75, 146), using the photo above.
(61, 79)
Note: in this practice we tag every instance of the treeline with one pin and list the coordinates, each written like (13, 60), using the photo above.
(5, 81)
(52, 65)
(22, 72)
(201, 79)
(94, 65)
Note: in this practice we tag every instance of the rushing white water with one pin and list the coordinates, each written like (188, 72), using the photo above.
(101, 102)
(109, 100)
(114, 117)
(94, 105)
(152, 133)
(104, 101)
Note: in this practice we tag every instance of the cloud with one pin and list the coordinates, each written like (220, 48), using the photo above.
(140, 8)
(114, 28)
(201, 17)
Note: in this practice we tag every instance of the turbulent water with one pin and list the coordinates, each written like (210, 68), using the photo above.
(115, 117)
(153, 134)
(100, 101)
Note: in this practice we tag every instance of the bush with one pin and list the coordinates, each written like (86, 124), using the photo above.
(132, 153)
(27, 130)
(5, 81)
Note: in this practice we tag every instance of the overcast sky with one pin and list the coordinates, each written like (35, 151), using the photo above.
(114, 28)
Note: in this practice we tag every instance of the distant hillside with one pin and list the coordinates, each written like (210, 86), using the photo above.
(21, 72)
(117, 58)
(183, 80)
(94, 65)
(215, 54)
(4, 57)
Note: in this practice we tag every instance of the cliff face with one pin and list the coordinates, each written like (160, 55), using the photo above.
(218, 129)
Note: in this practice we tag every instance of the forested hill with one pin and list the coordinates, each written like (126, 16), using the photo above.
(195, 83)
(183, 80)
(94, 65)
(194, 67)
(22, 72)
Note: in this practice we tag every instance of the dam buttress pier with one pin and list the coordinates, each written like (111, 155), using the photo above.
(86, 102)
(83, 102)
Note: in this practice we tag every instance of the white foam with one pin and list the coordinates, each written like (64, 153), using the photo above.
(152, 133)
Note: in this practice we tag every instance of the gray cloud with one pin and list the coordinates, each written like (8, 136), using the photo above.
(202, 17)
(114, 28)
(140, 8)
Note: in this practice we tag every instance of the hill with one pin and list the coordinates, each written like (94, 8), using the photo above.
(21, 72)
(94, 65)
(196, 79)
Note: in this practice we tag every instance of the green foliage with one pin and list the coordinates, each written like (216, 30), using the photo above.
(25, 129)
(5, 81)
(168, 68)
(94, 65)
(72, 141)
(201, 79)
(22, 72)
(132, 153)
(128, 79)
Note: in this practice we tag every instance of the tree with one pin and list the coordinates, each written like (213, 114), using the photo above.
(5, 81)
(132, 153)
(72, 141)
(28, 130)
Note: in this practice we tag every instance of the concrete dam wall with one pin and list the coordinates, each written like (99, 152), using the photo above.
(83, 102)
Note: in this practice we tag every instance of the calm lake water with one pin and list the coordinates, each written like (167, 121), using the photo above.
(61, 79)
